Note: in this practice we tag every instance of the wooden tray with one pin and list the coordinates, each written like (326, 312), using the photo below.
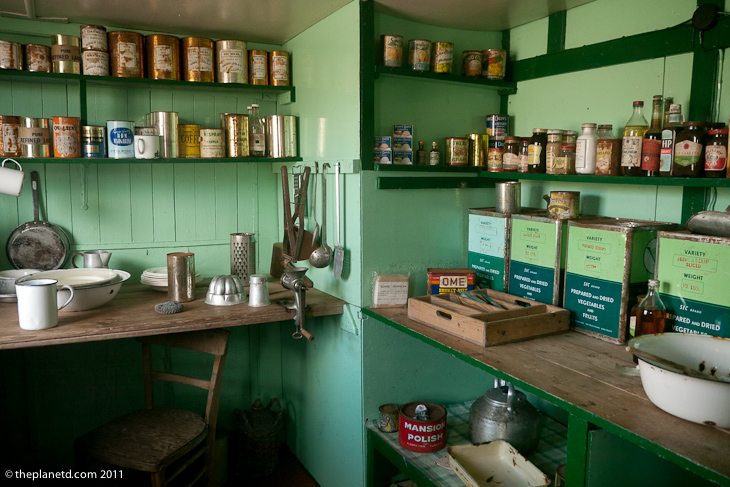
(488, 325)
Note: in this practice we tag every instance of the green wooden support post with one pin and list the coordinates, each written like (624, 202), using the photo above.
(693, 200)
(367, 83)
(704, 74)
(504, 94)
(577, 451)
(556, 32)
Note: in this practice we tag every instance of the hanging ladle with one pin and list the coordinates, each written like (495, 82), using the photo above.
(322, 255)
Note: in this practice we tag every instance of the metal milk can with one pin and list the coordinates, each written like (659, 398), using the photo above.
(503, 413)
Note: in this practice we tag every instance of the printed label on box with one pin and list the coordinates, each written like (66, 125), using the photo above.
(532, 281)
(697, 317)
(595, 304)
(486, 250)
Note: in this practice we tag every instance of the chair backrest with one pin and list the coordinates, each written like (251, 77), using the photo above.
(214, 342)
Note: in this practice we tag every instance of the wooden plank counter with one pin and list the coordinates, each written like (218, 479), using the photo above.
(588, 378)
(132, 314)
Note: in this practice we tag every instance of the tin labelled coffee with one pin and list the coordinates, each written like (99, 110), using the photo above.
(38, 58)
(163, 61)
(422, 432)
(120, 139)
(442, 56)
(9, 134)
(235, 129)
(392, 50)
(419, 54)
(66, 54)
(66, 137)
(232, 66)
(197, 59)
(95, 63)
(279, 68)
(127, 56)
(93, 141)
(212, 143)
(93, 38)
(11, 55)
(258, 67)
(34, 137)
(189, 141)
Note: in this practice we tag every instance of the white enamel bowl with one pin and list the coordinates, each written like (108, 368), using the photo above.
(7, 279)
(92, 296)
(686, 375)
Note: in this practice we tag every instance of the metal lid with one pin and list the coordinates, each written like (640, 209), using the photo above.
(539, 131)
(554, 131)
(638, 103)
(257, 278)
(65, 40)
(588, 125)
(605, 126)
(92, 131)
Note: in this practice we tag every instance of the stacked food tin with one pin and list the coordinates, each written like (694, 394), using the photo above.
(232, 66)
(258, 67)
(94, 50)
(93, 141)
(66, 137)
(37, 58)
(197, 59)
(34, 137)
(9, 128)
(127, 55)
(163, 60)
(66, 54)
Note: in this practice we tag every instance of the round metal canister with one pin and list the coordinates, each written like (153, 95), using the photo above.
(497, 126)
(422, 435)
(258, 69)
(279, 68)
(457, 151)
(120, 139)
(127, 55)
(189, 140)
(494, 63)
(478, 150)
(564, 205)
(419, 54)
(232, 66)
(291, 144)
(93, 141)
(275, 136)
(95, 63)
(11, 55)
(34, 137)
(212, 143)
(93, 38)
(66, 137)
(9, 134)
(66, 54)
(197, 59)
(442, 56)
(392, 50)
(166, 125)
(472, 63)
(509, 197)
(163, 61)
(243, 256)
(235, 128)
(495, 155)
(37, 58)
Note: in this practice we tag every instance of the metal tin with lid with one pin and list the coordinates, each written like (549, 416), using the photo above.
(189, 140)
(37, 58)
(392, 50)
(120, 139)
(279, 68)
(93, 141)
(457, 151)
(127, 55)
(235, 128)
(478, 150)
(9, 133)
(95, 63)
(93, 38)
(66, 137)
(258, 67)
(34, 137)
(11, 55)
(472, 63)
(291, 145)
(232, 61)
(66, 54)
(197, 59)
(442, 56)
(163, 61)
(275, 136)
(212, 143)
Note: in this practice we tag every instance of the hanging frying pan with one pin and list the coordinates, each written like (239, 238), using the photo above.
(37, 244)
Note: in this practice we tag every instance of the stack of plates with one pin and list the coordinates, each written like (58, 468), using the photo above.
(156, 278)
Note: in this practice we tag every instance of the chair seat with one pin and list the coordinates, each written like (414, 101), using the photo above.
(146, 440)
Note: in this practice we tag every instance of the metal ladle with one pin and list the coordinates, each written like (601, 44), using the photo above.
(322, 255)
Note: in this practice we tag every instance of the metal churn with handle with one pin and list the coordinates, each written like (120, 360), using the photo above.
(243, 256)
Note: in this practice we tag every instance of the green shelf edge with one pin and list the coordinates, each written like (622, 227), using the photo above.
(176, 160)
(507, 86)
(423, 168)
(625, 180)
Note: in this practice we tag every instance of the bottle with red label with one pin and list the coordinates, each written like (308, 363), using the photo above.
(689, 153)
(652, 144)
(716, 153)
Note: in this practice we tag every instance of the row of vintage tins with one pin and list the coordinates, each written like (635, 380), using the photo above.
(127, 54)
(160, 136)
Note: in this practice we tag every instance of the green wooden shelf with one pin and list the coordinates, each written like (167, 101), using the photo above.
(502, 86)
(424, 168)
(581, 178)
(107, 160)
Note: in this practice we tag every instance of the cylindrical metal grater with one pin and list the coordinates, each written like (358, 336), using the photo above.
(243, 256)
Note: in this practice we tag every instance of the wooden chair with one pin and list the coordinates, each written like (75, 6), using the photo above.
(175, 446)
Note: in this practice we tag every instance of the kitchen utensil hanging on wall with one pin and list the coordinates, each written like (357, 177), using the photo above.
(322, 255)
(338, 258)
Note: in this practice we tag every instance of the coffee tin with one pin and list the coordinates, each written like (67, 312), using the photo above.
(163, 61)
(392, 50)
(212, 143)
(235, 128)
(258, 67)
(189, 140)
(442, 56)
(37, 58)
(95, 63)
(93, 38)
(120, 139)
(166, 125)
(419, 54)
(127, 56)
(197, 59)
(34, 137)
(66, 137)
(494, 63)
(472, 63)
(457, 151)
(93, 141)
(66, 54)
(11, 55)
(232, 65)
(9, 133)
(279, 68)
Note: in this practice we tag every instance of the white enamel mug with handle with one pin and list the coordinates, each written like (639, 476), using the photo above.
(11, 180)
(37, 306)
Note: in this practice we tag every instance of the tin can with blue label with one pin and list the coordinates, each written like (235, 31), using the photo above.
(93, 141)
(120, 139)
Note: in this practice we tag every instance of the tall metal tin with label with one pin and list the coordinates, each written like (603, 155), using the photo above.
(94, 38)
(419, 54)
(279, 68)
(235, 128)
(197, 59)
(11, 55)
(163, 61)
(189, 140)
(34, 137)
(93, 141)
(275, 136)
(66, 137)
(9, 135)
(95, 63)
(127, 55)
(166, 125)
(37, 58)
(258, 67)
(120, 139)
(231, 61)
(66, 54)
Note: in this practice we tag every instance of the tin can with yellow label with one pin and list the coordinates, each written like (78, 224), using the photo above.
(258, 67)
(494, 63)
(189, 140)
(457, 151)
(442, 56)
(235, 128)
(163, 61)
(279, 68)
(127, 57)
(197, 59)
(37, 58)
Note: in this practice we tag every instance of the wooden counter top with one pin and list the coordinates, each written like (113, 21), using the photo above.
(132, 314)
(587, 378)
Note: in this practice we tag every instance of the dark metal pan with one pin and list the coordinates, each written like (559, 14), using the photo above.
(37, 244)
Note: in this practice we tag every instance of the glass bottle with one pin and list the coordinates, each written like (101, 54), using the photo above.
(669, 135)
(554, 141)
(652, 144)
(536, 151)
(668, 102)
(608, 152)
(716, 153)
(651, 314)
(524, 154)
(421, 153)
(689, 150)
(585, 149)
(634, 132)
(434, 158)
(257, 132)
(565, 160)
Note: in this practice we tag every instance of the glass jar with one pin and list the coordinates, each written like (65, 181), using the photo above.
(608, 152)
(689, 150)
(536, 151)
(524, 154)
(716, 153)
(554, 140)
(511, 156)
(585, 150)
(570, 137)
(565, 161)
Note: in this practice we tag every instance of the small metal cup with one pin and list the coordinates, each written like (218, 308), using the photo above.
(509, 199)
(181, 276)
(388, 420)
(258, 294)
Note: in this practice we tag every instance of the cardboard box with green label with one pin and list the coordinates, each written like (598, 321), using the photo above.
(608, 263)
(693, 273)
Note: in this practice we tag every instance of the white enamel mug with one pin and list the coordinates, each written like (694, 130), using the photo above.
(11, 180)
(147, 146)
(37, 306)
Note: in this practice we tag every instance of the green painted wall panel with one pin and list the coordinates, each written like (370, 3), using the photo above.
(205, 208)
(163, 202)
(84, 177)
(57, 196)
(224, 175)
(141, 203)
(528, 40)
(185, 205)
(6, 102)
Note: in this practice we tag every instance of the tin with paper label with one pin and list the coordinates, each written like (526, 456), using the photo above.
(66, 54)
(93, 141)
(37, 58)
(419, 54)
(189, 140)
(120, 139)
(258, 67)
(163, 61)
(9, 134)
(442, 56)
(232, 65)
(211, 143)
(66, 137)
(235, 129)
(93, 38)
(34, 137)
(279, 68)
(11, 55)
(197, 59)
(95, 63)
(392, 50)
(127, 55)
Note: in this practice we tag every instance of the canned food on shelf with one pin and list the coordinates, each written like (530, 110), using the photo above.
(232, 64)
(66, 54)
(163, 61)
(11, 55)
(127, 55)
(279, 68)
(38, 58)
(197, 59)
